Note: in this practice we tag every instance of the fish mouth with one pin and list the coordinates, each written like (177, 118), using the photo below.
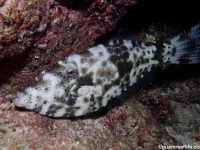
(17, 101)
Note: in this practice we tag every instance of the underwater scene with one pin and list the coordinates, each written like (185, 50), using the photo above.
(99, 74)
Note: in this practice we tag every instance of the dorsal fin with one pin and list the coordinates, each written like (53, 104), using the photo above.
(123, 33)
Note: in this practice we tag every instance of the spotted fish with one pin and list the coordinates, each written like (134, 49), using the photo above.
(85, 82)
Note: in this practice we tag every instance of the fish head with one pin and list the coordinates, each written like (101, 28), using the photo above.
(56, 94)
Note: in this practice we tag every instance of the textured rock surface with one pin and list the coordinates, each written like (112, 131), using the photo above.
(127, 126)
(34, 35)
(166, 112)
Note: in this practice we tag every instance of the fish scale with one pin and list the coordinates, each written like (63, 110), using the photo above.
(85, 82)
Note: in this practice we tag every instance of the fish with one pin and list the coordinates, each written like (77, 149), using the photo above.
(85, 82)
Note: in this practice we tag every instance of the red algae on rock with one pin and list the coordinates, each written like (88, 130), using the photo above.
(34, 35)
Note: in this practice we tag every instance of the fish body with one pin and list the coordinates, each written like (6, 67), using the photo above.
(85, 82)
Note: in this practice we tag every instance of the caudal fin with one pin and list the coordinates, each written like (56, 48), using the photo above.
(183, 48)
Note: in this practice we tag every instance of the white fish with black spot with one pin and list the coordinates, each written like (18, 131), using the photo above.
(85, 82)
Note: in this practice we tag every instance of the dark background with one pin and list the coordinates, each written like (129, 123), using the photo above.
(147, 12)
(166, 18)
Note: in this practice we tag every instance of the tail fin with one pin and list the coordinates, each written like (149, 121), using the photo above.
(183, 48)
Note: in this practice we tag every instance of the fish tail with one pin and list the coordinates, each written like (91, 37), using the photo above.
(183, 48)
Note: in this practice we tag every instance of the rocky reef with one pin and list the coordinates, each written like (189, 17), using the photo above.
(35, 34)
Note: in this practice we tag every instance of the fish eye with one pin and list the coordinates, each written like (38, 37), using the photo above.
(69, 70)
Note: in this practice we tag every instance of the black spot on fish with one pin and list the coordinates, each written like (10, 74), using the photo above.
(85, 100)
(116, 48)
(109, 74)
(99, 81)
(106, 74)
(70, 111)
(106, 88)
(71, 101)
(38, 98)
(38, 109)
(137, 63)
(146, 60)
(60, 99)
(104, 63)
(125, 55)
(86, 53)
(53, 109)
(92, 98)
(86, 80)
(91, 60)
(109, 48)
(120, 61)
(116, 82)
(114, 58)
(92, 107)
(124, 48)
(83, 60)
(100, 98)
(127, 78)
(124, 67)
(100, 54)
(134, 56)
(67, 90)
(84, 70)
(46, 90)
(142, 59)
